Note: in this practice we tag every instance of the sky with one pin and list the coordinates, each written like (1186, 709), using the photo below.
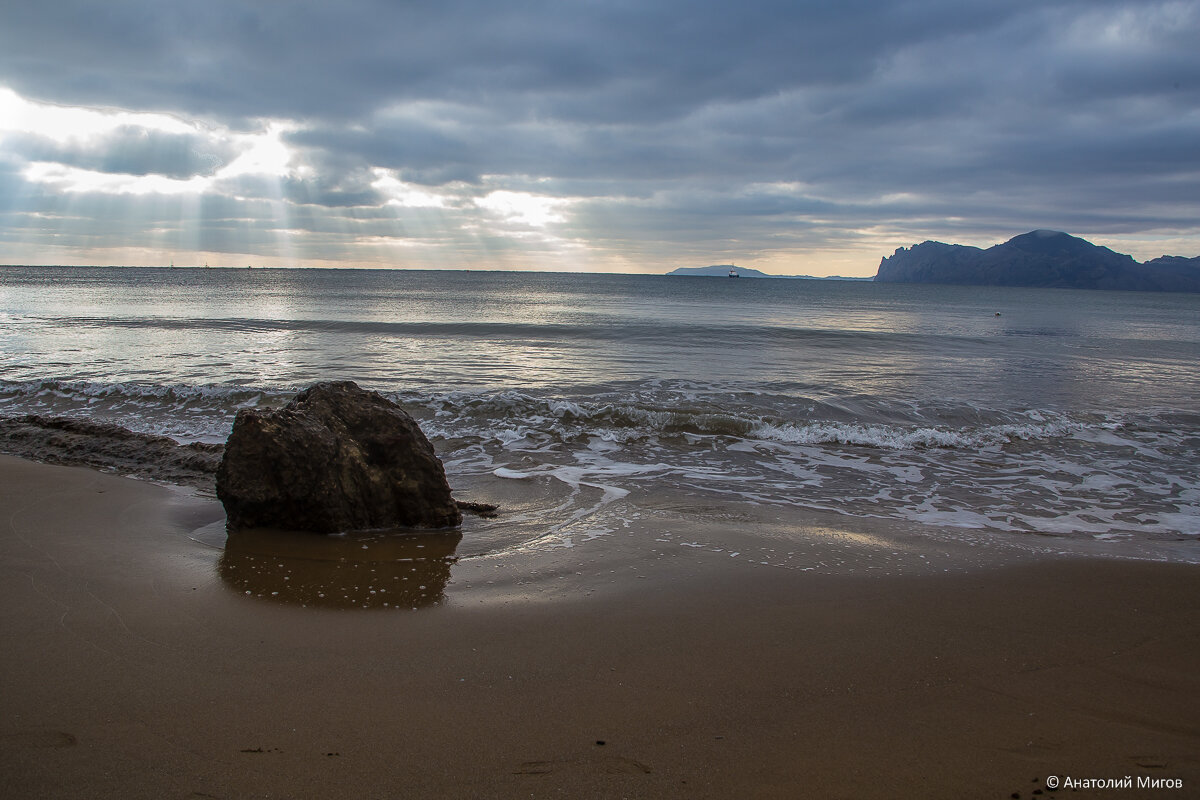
(795, 137)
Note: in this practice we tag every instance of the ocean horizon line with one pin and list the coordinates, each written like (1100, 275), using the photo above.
(414, 269)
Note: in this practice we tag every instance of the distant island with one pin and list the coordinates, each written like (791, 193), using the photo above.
(1042, 258)
(719, 271)
(722, 271)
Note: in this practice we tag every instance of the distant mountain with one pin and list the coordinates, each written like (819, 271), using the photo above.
(1050, 259)
(719, 270)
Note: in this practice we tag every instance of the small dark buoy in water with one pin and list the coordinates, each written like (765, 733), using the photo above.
(997, 313)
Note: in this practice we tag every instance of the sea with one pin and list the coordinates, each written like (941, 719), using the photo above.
(1009, 413)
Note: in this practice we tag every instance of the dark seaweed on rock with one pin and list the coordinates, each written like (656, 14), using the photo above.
(78, 442)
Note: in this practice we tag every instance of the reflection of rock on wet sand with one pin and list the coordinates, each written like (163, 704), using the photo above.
(365, 570)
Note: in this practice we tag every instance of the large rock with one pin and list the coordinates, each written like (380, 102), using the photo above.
(336, 458)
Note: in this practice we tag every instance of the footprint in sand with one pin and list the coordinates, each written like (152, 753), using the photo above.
(608, 765)
(38, 739)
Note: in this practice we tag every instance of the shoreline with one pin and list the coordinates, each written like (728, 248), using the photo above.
(647, 662)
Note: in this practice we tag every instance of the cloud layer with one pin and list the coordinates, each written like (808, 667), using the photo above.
(794, 136)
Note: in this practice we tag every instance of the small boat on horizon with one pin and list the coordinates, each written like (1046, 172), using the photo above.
(733, 273)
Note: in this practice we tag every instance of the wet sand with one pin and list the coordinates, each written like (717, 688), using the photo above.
(134, 666)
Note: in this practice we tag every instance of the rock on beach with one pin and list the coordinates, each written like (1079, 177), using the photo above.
(336, 458)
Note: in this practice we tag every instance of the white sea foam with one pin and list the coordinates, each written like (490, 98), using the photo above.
(893, 437)
(504, 472)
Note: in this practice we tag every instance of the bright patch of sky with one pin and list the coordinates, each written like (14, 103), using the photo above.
(406, 195)
(73, 179)
(64, 123)
(261, 152)
(525, 208)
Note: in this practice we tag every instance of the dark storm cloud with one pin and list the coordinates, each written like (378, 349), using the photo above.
(330, 189)
(130, 150)
(668, 121)
(961, 94)
(565, 60)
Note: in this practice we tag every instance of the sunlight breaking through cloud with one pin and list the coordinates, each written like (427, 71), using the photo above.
(75, 180)
(63, 123)
(406, 195)
(525, 208)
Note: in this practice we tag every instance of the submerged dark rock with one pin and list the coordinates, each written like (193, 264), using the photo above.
(106, 446)
(336, 458)
(485, 510)
(1047, 259)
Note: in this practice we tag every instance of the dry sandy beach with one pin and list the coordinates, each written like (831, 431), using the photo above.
(134, 666)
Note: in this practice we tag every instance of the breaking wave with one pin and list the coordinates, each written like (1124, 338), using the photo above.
(206, 412)
(1018, 470)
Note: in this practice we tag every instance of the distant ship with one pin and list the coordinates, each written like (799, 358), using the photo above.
(733, 273)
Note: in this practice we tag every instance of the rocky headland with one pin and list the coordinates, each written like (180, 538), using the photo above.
(1042, 258)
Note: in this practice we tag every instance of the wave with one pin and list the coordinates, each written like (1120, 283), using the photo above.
(184, 412)
(174, 394)
(893, 438)
(626, 414)
(937, 463)
(657, 332)
(503, 415)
